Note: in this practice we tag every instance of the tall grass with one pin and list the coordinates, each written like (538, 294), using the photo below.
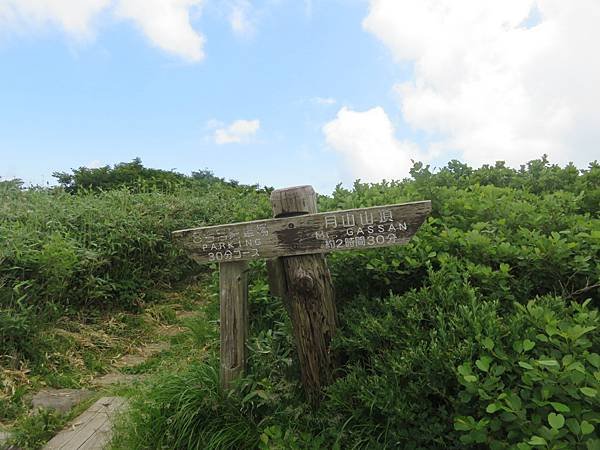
(187, 411)
(60, 252)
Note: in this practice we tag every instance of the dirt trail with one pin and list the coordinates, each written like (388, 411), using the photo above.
(64, 400)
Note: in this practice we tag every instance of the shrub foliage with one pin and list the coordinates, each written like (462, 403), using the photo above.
(482, 332)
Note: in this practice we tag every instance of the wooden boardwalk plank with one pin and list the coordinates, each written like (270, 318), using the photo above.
(92, 430)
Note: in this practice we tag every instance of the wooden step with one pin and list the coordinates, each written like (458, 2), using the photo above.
(92, 430)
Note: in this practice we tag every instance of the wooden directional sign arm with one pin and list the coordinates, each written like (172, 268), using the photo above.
(354, 229)
(299, 239)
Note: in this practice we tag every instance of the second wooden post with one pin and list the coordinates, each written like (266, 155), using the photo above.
(233, 285)
(309, 297)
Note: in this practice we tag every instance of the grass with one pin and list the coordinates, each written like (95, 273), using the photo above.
(80, 349)
(35, 429)
(507, 257)
(183, 406)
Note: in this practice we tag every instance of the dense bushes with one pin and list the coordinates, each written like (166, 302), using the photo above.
(443, 354)
(538, 385)
(513, 244)
(477, 334)
(482, 332)
(99, 250)
(133, 176)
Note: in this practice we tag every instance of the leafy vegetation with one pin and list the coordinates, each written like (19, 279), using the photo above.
(133, 176)
(482, 332)
(61, 252)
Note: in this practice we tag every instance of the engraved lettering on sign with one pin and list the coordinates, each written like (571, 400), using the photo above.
(312, 233)
(233, 235)
(349, 235)
(348, 220)
(262, 229)
(385, 216)
(330, 222)
(366, 218)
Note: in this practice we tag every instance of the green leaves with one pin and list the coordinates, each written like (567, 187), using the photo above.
(594, 359)
(556, 421)
(537, 440)
(528, 345)
(548, 362)
(588, 391)
(539, 400)
(484, 363)
(587, 428)
(513, 401)
(560, 407)
(484, 287)
(487, 343)
(464, 423)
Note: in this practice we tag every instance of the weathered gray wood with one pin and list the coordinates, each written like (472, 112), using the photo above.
(276, 278)
(352, 229)
(293, 201)
(233, 282)
(309, 298)
(92, 430)
(283, 205)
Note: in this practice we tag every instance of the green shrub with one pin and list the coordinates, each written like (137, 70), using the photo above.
(538, 386)
(440, 343)
(398, 388)
(61, 252)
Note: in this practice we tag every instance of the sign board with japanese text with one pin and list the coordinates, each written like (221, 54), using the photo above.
(354, 229)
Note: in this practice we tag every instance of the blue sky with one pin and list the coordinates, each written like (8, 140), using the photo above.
(288, 92)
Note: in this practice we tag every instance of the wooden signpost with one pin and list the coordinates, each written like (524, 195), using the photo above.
(294, 242)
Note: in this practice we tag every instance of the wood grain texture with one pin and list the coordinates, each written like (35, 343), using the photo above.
(353, 229)
(293, 201)
(309, 298)
(276, 277)
(92, 430)
(233, 282)
(311, 303)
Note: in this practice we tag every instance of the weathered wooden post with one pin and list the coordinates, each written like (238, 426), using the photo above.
(233, 295)
(304, 283)
(297, 237)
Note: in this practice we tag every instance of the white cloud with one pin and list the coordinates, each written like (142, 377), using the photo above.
(368, 146)
(239, 18)
(237, 132)
(506, 80)
(165, 23)
(74, 17)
